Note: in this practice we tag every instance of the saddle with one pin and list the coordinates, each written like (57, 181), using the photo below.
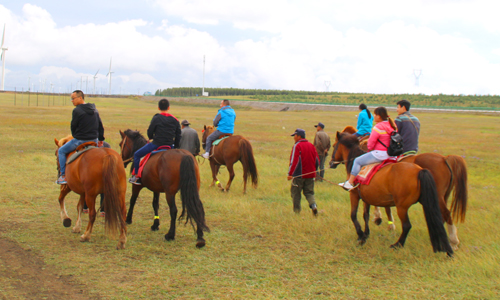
(145, 159)
(220, 138)
(80, 150)
(367, 172)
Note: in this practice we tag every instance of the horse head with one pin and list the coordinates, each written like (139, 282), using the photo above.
(343, 147)
(131, 142)
(207, 130)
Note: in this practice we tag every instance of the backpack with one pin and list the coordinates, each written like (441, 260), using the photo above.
(396, 145)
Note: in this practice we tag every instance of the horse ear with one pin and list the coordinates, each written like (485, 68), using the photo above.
(57, 142)
(204, 127)
(122, 134)
(338, 135)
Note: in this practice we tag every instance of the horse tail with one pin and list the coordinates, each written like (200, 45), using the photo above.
(248, 162)
(192, 207)
(458, 169)
(430, 201)
(114, 219)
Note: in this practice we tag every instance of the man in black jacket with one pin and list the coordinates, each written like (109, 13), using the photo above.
(164, 130)
(86, 126)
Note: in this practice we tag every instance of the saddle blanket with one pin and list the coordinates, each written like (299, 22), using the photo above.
(145, 159)
(216, 142)
(367, 172)
(80, 150)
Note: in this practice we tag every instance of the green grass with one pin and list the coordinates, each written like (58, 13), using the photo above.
(258, 248)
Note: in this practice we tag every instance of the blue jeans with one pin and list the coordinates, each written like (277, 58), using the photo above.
(148, 148)
(67, 148)
(211, 138)
(363, 160)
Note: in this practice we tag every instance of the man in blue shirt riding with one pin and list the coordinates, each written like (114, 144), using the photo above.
(224, 121)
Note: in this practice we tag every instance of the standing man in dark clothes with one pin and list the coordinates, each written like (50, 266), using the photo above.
(304, 162)
(86, 126)
(408, 127)
(322, 144)
(164, 130)
(189, 138)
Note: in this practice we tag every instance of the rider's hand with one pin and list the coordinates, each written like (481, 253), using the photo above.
(289, 177)
(100, 143)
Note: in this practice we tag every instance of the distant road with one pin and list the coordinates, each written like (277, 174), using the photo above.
(292, 106)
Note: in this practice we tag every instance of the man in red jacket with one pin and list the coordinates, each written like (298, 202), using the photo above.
(304, 162)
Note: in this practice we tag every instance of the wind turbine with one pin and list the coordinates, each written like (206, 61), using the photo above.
(109, 74)
(2, 57)
(95, 76)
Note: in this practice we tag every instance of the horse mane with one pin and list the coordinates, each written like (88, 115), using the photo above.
(351, 142)
(349, 129)
(64, 140)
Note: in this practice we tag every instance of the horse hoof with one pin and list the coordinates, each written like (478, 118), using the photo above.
(169, 238)
(128, 221)
(396, 246)
(200, 243)
(120, 246)
(378, 221)
(84, 239)
(361, 242)
(67, 222)
(154, 228)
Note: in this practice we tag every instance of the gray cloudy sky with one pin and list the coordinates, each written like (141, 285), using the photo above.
(357, 46)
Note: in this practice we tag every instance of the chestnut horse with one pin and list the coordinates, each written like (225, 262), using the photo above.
(450, 174)
(168, 172)
(227, 153)
(400, 185)
(96, 171)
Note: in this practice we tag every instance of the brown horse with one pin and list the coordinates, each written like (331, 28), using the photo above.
(227, 153)
(168, 172)
(450, 174)
(96, 171)
(400, 185)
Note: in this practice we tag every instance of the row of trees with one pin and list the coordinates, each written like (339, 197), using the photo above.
(440, 100)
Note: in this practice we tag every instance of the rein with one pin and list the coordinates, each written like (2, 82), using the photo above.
(123, 146)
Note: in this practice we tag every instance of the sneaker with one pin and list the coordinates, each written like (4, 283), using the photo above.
(135, 180)
(348, 186)
(205, 155)
(61, 180)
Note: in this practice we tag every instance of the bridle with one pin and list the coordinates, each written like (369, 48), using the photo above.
(123, 146)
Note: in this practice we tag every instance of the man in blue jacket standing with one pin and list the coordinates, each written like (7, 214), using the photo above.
(224, 121)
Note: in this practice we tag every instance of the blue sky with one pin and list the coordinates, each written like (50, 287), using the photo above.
(351, 46)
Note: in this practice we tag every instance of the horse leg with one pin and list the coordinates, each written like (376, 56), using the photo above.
(215, 170)
(135, 193)
(230, 169)
(452, 229)
(390, 219)
(366, 217)
(156, 206)
(377, 216)
(405, 222)
(173, 217)
(64, 214)
(79, 209)
(354, 211)
(90, 200)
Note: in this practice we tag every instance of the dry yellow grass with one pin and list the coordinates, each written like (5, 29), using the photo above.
(258, 248)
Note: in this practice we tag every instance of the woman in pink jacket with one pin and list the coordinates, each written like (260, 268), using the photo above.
(380, 136)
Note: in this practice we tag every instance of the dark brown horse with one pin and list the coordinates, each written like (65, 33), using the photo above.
(400, 185)
(227, 153)
(168, 172)
(450, 174)
(96, 171)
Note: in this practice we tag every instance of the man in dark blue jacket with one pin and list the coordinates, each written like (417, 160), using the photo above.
(86, 126)
(224, 121)
(164, 130)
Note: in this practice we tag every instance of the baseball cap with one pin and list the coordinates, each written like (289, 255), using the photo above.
(320, 125)
(299, 132)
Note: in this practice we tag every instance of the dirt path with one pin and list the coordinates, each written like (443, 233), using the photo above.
(24, 275)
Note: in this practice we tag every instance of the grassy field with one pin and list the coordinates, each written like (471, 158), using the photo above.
(257, 248)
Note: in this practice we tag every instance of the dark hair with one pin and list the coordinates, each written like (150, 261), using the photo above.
(382, 113)
(163, 104)
(225, 101)
(363, 106)
(404, 103)
(79, 94)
